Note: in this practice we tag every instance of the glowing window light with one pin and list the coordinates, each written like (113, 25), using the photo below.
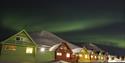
(68, 55)
(102, 58)
(59, 54)
(92, 52)
(91, 56)
(80, 55)
(29, 50)
(95, 57)
(61, 48)
(10, 47)
(86, 56)
(42, 49)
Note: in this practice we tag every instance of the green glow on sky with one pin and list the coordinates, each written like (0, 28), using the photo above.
(70, 24)
(18, 23)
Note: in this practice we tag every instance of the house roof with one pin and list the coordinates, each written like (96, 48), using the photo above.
(66, 44)
(89, 46)
(48, 38)
(41, 38)
(45, 38)
(12, 35)
(71, 46)
(112, 50)
(104, 48)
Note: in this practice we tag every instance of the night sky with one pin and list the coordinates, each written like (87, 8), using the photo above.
(98, 21)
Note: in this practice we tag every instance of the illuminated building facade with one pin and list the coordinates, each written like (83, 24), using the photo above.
(20, 44)
(64, 52)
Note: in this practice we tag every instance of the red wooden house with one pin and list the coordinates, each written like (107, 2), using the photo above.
(64, 52)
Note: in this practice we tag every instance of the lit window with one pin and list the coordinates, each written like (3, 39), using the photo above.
(61, 48)
(80, 55)
(42, 49)
(59, 54)
(95, 57)
(91, 56)
(29, 50)
(101, 57)
(86, 56)
(68, 55)
(10, 47)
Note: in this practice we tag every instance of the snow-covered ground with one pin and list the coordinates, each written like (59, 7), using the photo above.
(116, 61)
(60, 61)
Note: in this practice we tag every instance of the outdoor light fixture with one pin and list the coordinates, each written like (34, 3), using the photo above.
(42, 49)
(29, 50)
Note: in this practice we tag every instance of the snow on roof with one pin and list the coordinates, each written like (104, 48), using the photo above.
(54, 47)
(76, 50)
(49, 39)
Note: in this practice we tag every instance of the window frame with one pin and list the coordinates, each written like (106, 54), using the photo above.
(29, 50)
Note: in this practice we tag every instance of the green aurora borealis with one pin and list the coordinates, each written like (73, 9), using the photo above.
(76, 21)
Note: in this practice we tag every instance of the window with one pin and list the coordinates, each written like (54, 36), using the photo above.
(92, 52)
(10, 47)
(95, 57)
(59, 54)
(18, 38)
(102, 58)
(68, 55)
(61, 47)
(80, 55)
(86, 56)
(91, 56)
(29, 50)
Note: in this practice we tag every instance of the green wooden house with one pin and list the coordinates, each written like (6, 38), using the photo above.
(18, 45)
